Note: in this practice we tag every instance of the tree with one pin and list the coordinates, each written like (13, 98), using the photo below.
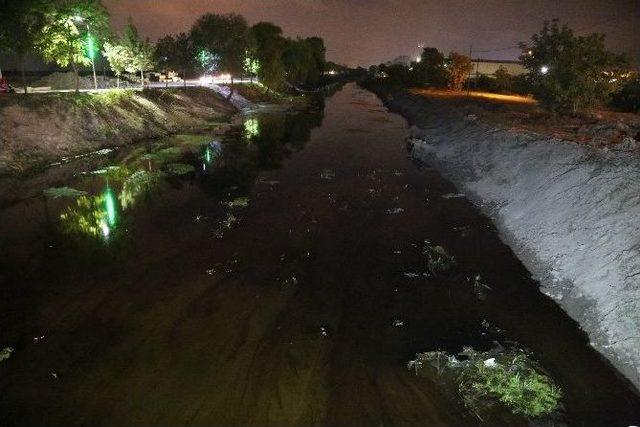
(569, 72)
(504, 80)
(224, 37)
(176, 53)
(430, 69)
(269, 44)
(118, 56)
(21, 24)
(140, 52)
(64, 36)
(459, 66)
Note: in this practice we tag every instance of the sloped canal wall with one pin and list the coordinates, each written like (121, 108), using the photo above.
(570, 212)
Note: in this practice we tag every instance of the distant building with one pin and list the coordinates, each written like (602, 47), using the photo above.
(488, 67)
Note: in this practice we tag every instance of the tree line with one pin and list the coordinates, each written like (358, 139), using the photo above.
(71, 33)
(565, 72)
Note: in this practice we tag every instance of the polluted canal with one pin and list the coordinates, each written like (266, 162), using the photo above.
(301, 269)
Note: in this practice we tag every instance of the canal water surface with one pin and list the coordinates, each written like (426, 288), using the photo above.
(273, 276)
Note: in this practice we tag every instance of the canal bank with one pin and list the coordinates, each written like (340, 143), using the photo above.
(39, 129)
(570, 212)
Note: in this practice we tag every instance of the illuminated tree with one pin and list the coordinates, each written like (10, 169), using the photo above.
(224, 37)
(177, 53)
(458, 66)
(569, 72)
(141, 53)
(118, 57)
(64, 36)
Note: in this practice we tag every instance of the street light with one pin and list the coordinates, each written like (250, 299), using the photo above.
(91, 51)
(544, 69)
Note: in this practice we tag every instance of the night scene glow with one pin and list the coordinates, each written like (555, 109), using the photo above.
(330, 212)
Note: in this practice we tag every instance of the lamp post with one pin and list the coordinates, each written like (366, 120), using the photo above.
(91, 52)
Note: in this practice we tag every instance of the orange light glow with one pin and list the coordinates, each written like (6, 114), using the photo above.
(475, 94)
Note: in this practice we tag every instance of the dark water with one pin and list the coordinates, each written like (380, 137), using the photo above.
(149, 301)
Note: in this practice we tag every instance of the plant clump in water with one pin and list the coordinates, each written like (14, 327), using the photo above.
(493, 381)
(438, 260)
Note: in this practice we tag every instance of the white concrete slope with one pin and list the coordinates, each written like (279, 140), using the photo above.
(571, 213)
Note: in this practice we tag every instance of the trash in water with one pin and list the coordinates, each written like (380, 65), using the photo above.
(211, 271)
(229, 220)
(57, 192)
(409, 274)
(327, 174)
(54, 375)
(438, 260)
(480, 288)
(397, 173)
(397, 252)
(397, 323)
(452, 195)
(490, 363)
(238, 202)
(395, 211)
(6, 353)
(323, 331)
(37, 339)
(492, 382)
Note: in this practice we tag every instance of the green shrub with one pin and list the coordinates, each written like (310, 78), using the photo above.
(628, 99)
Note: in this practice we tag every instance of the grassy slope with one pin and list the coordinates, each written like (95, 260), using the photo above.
(40, 128)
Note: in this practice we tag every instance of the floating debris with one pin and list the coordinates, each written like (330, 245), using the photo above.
(238, 202)
(494, 381)
(57, 192)
(327, 174)
(38, 339)
(452, 196)
(54, 375)
(397, 323)
(397, 173)
(411, 275)
(395, 211)
(438, 260)
(323, 331)
(5, 353)
(480, 288)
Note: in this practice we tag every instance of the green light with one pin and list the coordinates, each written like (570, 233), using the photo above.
(110, 206)
(207, 155)
(91, 48)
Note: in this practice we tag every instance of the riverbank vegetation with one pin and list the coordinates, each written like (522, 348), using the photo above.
(567, 73)
(74, 34)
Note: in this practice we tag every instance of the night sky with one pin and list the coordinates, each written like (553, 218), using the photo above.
(364, 32)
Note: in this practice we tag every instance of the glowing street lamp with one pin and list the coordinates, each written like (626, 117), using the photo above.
(544, 69)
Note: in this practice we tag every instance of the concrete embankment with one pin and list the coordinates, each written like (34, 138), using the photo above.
(570, 212)
(41, 128)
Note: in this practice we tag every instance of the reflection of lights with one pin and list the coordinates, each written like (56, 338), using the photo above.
(110, 205)
(544, 69)
(419, 59)
(251, 128)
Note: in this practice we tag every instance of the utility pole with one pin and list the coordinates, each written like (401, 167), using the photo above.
(469, 77)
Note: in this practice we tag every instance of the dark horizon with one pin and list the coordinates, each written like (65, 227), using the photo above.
(365, 32)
